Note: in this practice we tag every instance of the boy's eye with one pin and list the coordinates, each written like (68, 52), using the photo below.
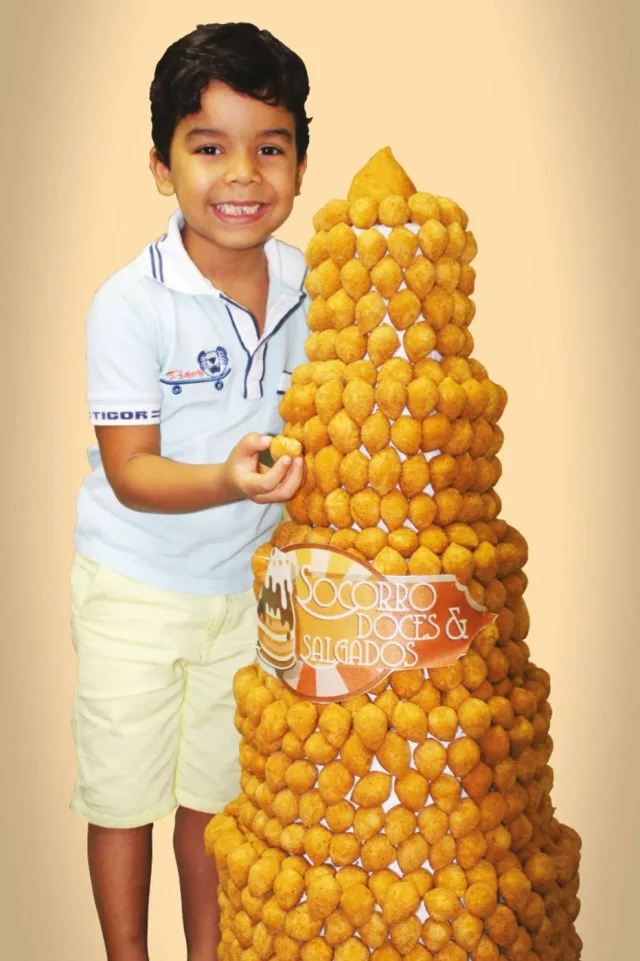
(273, 151)
(208, 150)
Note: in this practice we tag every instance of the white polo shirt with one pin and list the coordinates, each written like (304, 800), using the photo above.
(165, 347)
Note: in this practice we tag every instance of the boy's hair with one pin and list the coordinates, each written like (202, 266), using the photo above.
(249, 60)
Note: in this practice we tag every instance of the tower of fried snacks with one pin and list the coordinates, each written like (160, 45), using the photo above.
(413, 821)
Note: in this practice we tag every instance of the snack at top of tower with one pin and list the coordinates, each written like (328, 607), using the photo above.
(410, 816)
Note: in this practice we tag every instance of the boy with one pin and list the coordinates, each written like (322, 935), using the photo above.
(189, 348)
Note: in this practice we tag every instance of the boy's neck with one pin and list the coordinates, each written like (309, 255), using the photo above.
(228, 270)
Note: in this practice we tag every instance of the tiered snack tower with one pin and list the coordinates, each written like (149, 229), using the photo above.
(413, 821)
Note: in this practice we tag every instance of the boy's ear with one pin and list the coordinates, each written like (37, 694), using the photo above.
(161, 174)
(302, 166)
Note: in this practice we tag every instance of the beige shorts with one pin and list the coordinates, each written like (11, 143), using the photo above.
(153, 707)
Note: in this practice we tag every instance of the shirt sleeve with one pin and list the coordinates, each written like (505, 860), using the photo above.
(123, 368)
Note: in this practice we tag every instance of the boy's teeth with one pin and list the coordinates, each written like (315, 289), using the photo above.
(239, 210)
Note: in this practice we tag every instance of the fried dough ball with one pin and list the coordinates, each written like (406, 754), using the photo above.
(288, 888)
(406, 435)
(370, 541)
(341, 243)
(394, 754)
(418, 341)
(502, 925)
(323, 280)
(433, 239)
(442, 904)
(370, 311)
(371, 723)
(374, 932)
(382, 344)
(339, 312)
(372, 790)
(300, 925)
(365, 508)
(394, 510)
(317, 842)
(337, 928)
(371, 246)
(335, 724)
(351, 344)
(323, 896)
(344, 849)
(328, 400)
(403, 540)
(334, 782)
(356, 757)
(410, 721)
(424, 561)
(355, 279)
(412, 853)
(384, 470)
(319, 750)
(399, 824)
(284, 447)
(368, 822)
(354, 471)
(358, 904)
(311, 808)
(317, 249)
(352, 949)
(377, 853)
(404, 309)
(412, 790)
(358, 399)
(430, 758)
(437, 308)
(391, 398)
(414, 476)
(326, 468)
(344, 432)
(339, 816)
(337, 510)
(363, 212)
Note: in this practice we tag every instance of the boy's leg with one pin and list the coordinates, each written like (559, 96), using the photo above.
(208, 775)
(198, 885)
(133, 642)
(120, 869)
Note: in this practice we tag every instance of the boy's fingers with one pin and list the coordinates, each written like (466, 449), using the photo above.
(269, 482)
(287, 486)
(254, 443)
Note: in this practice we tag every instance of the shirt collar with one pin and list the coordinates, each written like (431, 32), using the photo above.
(170, 264)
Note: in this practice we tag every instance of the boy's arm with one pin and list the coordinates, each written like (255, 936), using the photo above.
(143, 480)
(122, 376)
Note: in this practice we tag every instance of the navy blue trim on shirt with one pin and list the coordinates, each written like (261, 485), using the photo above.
(246, 310)
(160, 264)
(246, 373)
(153, 262)
(265, 342)
(264, 365)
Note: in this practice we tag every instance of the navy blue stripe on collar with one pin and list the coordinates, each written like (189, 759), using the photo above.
(160, 264)
(153, 262)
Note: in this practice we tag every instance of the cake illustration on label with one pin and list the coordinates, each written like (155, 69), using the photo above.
(276, 617)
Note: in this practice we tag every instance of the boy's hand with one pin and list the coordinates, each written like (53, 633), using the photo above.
(277, 485)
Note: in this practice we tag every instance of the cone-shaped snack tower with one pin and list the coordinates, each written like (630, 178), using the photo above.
(411, 817)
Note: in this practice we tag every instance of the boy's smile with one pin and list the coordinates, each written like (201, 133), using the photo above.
(234, 171)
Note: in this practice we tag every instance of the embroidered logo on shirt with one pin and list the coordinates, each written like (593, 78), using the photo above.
(214, 367)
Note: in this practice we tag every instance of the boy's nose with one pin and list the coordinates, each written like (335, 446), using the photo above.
(242, 168)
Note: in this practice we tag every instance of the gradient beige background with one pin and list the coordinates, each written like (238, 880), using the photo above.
(522, 112)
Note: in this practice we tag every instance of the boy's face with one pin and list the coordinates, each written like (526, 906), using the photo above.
(234, 168)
